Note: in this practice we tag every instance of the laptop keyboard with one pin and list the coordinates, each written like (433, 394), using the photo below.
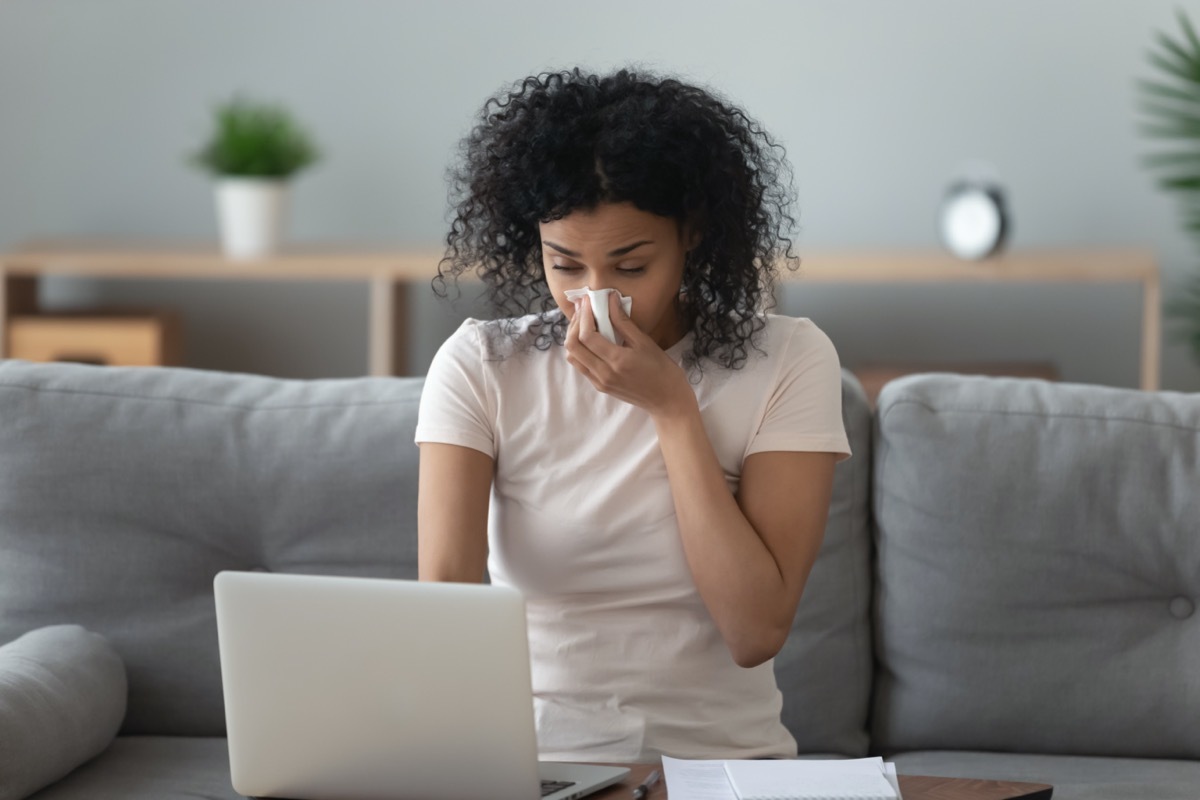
(550, 787)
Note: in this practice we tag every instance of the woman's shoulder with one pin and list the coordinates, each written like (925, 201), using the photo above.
(794, 335)
(499, 339)
(789, 339)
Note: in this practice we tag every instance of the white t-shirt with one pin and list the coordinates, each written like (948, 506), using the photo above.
(627, 664)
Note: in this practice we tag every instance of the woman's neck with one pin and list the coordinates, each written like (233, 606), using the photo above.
(671, 331)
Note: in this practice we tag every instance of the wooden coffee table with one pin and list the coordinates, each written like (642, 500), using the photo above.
(913, 787)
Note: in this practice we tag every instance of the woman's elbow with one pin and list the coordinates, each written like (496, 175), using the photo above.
(754, 653)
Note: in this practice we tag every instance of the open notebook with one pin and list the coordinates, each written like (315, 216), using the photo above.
(849, 779)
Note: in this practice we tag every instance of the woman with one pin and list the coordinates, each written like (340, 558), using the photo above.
(658, 502)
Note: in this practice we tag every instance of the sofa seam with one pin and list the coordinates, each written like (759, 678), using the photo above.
(863, 587)
(188, 401)
(1042, 414)
(879, 454)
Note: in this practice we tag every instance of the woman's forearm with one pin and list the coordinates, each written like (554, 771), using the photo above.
(736, 575)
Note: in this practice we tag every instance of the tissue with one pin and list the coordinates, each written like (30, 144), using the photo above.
(599, 299)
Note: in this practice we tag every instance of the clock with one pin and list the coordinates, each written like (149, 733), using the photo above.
(972, 219)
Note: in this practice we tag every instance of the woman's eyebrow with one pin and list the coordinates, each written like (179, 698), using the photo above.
(620, 251)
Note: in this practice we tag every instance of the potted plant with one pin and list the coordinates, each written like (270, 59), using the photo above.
(253, 152)
(1172, 104)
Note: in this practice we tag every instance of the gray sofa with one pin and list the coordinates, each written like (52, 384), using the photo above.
(1006, 588)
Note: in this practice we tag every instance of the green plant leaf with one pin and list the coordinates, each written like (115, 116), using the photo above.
(1186, 24)
(1188, 94)
(1170, 114)
(1191, 222)
(253, 139)
(1176, 159)
(1179, 70)
(1191, 182)
(1188, 61)
(1183, 130)
(1171, 105)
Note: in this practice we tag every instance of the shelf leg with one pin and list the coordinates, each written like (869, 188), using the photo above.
(1151, 333)
(387, 350)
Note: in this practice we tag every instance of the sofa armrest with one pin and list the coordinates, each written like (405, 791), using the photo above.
(62, 700)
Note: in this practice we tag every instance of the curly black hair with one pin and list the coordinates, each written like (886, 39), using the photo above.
(561, 141)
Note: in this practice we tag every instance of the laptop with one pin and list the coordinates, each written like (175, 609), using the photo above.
(365, 688)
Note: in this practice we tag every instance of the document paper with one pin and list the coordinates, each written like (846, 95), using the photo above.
(780, 779)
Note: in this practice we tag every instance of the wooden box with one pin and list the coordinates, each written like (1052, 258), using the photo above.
(126, 338)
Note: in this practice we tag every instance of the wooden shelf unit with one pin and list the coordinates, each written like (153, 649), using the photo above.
(1128, 265)
(390, 272)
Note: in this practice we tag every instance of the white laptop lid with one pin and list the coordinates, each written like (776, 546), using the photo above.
(367, 688)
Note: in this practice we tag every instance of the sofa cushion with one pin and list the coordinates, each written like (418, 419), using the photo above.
(824, 668)
(62, 699)
(1038, 568)
(124, 490)
(151, 768)
(1073, 777)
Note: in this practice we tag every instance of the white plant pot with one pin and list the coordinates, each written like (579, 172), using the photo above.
(250, 214)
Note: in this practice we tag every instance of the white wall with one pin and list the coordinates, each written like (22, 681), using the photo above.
(878, 103)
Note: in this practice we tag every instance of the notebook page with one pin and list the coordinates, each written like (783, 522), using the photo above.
(890, 774)
(853, 779)
(698, 779)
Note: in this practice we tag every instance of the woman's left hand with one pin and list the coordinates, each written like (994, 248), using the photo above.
(638, 371)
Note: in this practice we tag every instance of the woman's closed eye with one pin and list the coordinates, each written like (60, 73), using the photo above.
(622, 270)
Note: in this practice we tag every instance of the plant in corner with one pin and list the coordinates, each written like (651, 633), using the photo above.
(254, 151)
(1172, 103)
